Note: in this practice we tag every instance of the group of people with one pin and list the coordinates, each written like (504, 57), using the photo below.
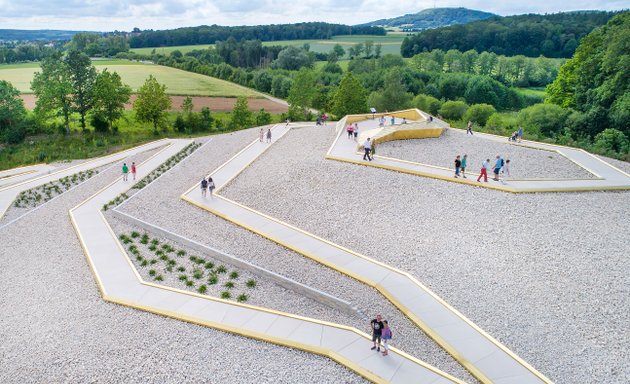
(501, 166)
(517, 135)
(380, 333)
(125, 171)
(263, 135)
(352, 130)
(392, 120)
(207, 185)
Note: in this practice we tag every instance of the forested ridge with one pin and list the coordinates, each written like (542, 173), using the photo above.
(210, 34)
(550, 35)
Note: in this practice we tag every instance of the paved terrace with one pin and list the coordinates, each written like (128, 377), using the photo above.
(607, 177)
(120, 283)
(483, 356)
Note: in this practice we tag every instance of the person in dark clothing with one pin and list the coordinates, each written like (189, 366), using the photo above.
(377, 330)
(458, 166)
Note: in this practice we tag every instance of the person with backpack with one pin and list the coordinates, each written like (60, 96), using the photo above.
(204, 187)
(211, 186)
(386, 335)
(497, 167)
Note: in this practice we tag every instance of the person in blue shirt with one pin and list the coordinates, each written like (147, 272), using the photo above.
(497, 167)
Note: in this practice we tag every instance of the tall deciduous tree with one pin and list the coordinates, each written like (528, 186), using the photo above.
(350, 97)
(82, 76)
(53, 88)
(301, 93)
(110, 95)
(241, 115)
(12, 111)
(152, 103)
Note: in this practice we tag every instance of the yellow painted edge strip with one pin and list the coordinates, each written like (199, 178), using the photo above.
(5, 178)
(24, 166)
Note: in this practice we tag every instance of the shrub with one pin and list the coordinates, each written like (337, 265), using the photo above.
(479, 113)
(611, 140)
(547, 119)
(226, 295)
(202, 289)
(159, 278)
(135, 234)
(221, 269)
(453, 110)
(229, 285)
(197, 273)
(427, 104)
(182, 277)
(152, 247)
(155, 242)
(213, 279)
(181, 269)
(189, 283)
(152, 272)
(242, 298)
(153, 261)
(234, 275)
(209, 265)
(251, 283)
(144, 263)
(181, 253)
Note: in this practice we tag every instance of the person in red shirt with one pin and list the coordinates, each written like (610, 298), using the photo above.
(133, 170)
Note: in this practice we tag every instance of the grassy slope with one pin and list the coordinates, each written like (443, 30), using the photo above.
(167, 50)
(178, 82)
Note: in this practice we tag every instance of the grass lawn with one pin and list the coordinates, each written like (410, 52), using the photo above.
(167, 50)
(134, 74)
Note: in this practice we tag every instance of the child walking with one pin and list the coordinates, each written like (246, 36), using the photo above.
(386, 336)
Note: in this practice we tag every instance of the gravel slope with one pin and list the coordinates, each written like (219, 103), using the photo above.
(546, 274)
(525, 162)
(160, 204)
(55, 327)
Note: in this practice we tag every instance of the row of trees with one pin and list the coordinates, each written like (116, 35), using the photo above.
(520, 71)
(25, 52)
(99, 45)
(550, 35)
(210, 34)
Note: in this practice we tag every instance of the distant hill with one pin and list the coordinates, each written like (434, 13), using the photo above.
(432, 18)
(550, 35)
(35, 35)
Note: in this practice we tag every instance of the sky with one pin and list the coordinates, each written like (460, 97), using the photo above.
(124, 15)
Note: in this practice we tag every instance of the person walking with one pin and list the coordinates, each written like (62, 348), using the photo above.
(349, 129)
(133, 170)
(381, 121)
(377, 331)
(386, 335)
(469, 127)
(464, 164)
(458, 165)
(506, 168)
(125, 171)
(355, 131)
(367, 147)
(484, 171)
(393, 120)
(269, 135)
(204, 187)
(520, 134)
(211, 186)
(498, 164)
(262, 134)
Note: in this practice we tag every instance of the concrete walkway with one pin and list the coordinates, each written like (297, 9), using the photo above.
(120, 283)
(9, 193)
(608, 177)
(17, 175)
(487, 359)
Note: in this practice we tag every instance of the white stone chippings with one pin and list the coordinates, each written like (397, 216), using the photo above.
(546, 273)
(524, 162)
(160, 204)
(55, 327)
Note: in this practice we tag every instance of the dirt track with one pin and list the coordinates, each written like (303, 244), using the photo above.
(216, 104)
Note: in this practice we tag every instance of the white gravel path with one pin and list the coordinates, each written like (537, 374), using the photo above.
(160, 204)
(524, 162)
(546, 274)
(55, 327)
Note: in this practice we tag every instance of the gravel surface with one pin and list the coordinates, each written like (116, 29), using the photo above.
(160, 204)
(546, 274)
(524, 162)
(55, 327)
(266, 293)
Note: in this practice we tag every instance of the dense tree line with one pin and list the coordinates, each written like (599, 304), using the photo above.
(550, 35)
(210, 34)
(595, 83)
(25, 52)
(99, 45)
(518, 70)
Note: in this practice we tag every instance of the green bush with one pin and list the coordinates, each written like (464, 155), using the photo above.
(479, 113)
(427, 104)
(453, 110)
(234, 275)
(548, 119)
(242, 298)
(226, 295)
(213, 279)
(202, 289)
(251, 283)
(229, 285)
(611, 141)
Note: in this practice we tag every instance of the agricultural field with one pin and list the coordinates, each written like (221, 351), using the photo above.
(167, 50)
(177, 82)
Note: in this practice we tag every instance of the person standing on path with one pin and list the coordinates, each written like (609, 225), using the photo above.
(484, 171)
(386, 335)
(377, 330)
(469, 127)
(125, 171)
(349, 129)
(355, 131)
(133, 170)
(520, 134)
(211, 186)
(497, 167)
(204, 187)
(458, 165)
(367, 147)
(269, 135)
(464, 163)
(262, 134)
(393, 120)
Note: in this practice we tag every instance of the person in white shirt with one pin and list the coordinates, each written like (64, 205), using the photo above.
(367, 147)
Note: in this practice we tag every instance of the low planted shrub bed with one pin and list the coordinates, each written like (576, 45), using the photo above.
(39, 195)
